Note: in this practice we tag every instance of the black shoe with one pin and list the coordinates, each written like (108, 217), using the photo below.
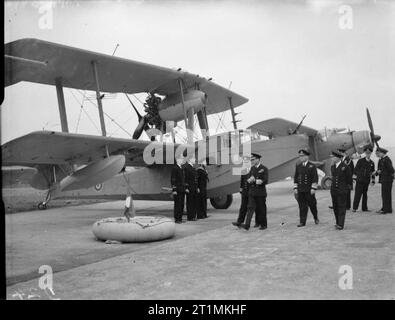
(330, 207)
(262, 228)
(256, 225)
(244, 226)
(339, 227)
(178, 221)
(301, 225)
(367, 210)
(316, 221)
(236, 224)
(348, 208)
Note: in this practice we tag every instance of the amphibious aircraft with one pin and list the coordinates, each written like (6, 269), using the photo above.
(85, 166)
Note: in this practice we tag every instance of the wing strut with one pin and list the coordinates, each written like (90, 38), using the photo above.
(62, 105)
(98, 98)
(186, 120)
(232, 110)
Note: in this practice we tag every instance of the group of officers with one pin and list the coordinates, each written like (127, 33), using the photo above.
(190, 183)
(253, 187)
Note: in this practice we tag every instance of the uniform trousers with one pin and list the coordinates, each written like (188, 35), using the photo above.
(178, 205)
(339, 200)
(257, 204)
(307, 200)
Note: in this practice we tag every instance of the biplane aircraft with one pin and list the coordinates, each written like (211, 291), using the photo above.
(71, 165)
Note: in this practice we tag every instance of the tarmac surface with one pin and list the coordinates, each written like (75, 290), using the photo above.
(207, 259)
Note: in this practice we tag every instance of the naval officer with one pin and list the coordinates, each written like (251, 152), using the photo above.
(305, 186)
(348, 161)
(385, 171)
(201, 197)
(244, 187)
(363, 176)
(190, 188)
(178, 186)
(257, 179)
(341, 184)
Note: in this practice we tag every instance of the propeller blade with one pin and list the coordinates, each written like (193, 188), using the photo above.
(370, 121)
(135, 109)
(299, 125)
(373, 136)
(140, 128)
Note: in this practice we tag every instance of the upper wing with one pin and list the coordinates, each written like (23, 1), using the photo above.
(48, 147)
(42, 62)
(278, 127)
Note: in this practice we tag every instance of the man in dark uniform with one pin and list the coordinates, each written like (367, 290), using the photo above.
(244, 186)
(257, 179)
(341, 184)
(348, 161)
(363, 175)
(385, 171)
(201, 201)
(305, 186)
(190, 189)
(178, 186)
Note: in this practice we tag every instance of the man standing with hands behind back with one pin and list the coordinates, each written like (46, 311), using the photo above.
(305, 185)
(385, 171)
(178, 187)
(363, 175)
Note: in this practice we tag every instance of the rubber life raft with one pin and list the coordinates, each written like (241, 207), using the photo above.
(138, 229)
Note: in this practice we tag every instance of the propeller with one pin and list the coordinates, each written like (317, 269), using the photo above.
(373, 136)
(299, 125)
(142, 126)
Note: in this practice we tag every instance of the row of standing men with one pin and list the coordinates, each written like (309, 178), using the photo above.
(190, 183)
(253, 190)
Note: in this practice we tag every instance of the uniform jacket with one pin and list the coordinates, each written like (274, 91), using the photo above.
(262, 173)
(341, 178)
(364, 171)
(348, 161)
(177, 179)
(190, 177)
(202, 179)
(306, 177)
(387, 170)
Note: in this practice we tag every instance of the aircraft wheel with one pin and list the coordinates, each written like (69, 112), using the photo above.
(326, 182)
(42, 206)
(222, 202)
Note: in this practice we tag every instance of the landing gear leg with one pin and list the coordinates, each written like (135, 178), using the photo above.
(43, 205)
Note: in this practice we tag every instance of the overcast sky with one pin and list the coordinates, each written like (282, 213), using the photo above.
(289, 59)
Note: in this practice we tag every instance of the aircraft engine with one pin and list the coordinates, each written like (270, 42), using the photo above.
(159, 113)
(171, 108)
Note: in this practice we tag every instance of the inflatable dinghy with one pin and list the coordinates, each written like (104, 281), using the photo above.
(138, 229)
